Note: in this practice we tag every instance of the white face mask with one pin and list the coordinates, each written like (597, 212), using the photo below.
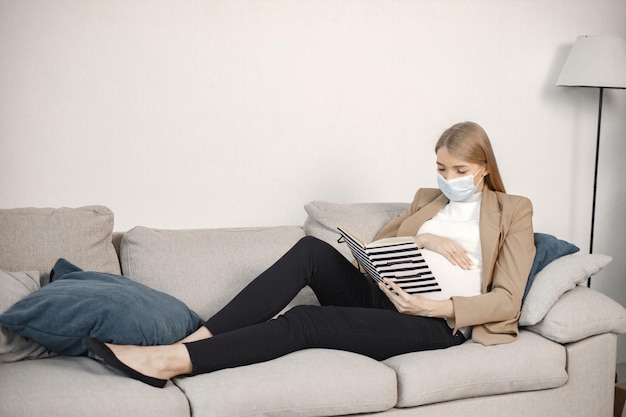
(458, 189)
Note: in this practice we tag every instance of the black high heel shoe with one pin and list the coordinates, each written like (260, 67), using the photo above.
(103, 352)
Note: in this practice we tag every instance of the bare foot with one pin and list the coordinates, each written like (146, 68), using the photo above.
(162, 362)
(200, 334)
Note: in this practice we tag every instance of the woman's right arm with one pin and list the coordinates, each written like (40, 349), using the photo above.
(450, 249)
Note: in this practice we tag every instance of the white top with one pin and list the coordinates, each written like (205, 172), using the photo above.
(459, 221)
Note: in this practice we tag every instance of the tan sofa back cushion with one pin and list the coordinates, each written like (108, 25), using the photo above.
(205, 268)
(364, 219)
(34, 238)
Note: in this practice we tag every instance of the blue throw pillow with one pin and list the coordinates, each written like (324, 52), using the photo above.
(549, 248)
(110, 308)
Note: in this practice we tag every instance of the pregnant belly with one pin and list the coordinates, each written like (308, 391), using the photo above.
(453, 280)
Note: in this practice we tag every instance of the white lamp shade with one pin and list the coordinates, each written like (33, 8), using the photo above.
(595, 61)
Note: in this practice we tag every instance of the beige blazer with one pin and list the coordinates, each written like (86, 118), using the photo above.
(508, 250)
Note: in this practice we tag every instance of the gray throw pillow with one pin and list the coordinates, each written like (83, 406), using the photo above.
(558, 277)
(13, 347)
(581, 313)
(548, 248)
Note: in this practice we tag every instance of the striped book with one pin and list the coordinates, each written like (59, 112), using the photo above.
(396, 258)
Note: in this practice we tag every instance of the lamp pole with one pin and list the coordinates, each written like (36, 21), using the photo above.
(595, 177)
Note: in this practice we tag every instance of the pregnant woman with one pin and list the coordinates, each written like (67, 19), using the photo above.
(477, 239)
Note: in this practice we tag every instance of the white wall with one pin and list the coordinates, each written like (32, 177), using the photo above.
(186, 114)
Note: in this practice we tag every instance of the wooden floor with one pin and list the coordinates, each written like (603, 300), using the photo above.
(621, 372)
(621, 377)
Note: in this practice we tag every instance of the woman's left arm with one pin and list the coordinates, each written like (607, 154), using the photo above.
(500, 304)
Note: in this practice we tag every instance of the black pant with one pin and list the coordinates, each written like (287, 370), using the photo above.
(354, 315)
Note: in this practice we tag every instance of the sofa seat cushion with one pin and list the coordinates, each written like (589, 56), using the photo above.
(311, 382)
(204, 268)
(79, 386)
(472, 370)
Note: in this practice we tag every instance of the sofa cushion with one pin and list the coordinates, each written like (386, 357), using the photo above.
(13, 347)
(107, 307)
(581, 313)
(529, 363)
(364, 219)
(205, 268)
(312, 382)
(561, 275)
(79, 386)
(34, 238)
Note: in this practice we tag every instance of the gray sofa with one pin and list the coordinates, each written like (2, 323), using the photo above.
(563, 363)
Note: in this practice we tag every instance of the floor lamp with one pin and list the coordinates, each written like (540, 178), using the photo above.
(600, 62)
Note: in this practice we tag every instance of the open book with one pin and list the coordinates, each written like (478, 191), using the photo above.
(396, 258)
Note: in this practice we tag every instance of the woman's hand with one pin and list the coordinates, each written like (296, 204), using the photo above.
(416, 305)
(451, 250)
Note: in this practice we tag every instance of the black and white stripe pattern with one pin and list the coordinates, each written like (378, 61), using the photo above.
(401, 261)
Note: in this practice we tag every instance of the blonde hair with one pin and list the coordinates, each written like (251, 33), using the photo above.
(469, 142)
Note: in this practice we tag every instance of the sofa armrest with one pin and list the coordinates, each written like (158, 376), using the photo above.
(581, 313)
